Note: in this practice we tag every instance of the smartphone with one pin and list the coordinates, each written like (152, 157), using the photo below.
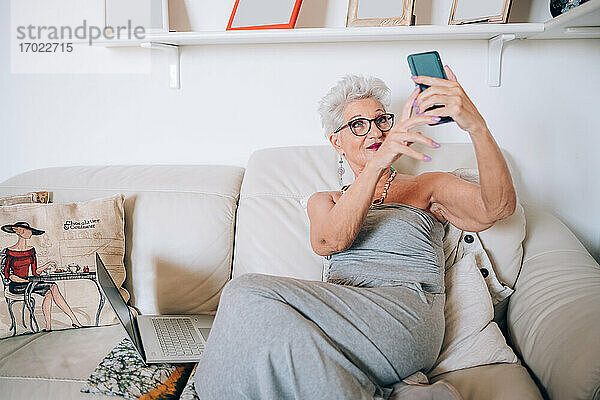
(428, 64)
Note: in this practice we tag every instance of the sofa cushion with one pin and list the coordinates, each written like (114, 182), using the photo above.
(179, 225)
(54, 365)
(60, 252)
(470, 337)
(493, 382)
(554, 315)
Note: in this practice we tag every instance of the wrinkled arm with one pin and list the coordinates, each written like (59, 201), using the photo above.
(334, 226)
(554, 315)
(469, 206)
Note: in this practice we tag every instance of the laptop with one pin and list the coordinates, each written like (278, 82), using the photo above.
(158, 338)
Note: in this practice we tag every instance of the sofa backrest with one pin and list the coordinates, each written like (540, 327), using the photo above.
(179, 223)
(272, 228)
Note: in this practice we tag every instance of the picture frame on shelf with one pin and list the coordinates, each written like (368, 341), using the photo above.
(473, 11)
(380, 13)
(264, 14)
(152, 15)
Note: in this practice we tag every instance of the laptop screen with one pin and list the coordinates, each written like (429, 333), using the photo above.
(118, 304)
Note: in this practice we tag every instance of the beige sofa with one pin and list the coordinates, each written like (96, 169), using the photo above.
(189, 227)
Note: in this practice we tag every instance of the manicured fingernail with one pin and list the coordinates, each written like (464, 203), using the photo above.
(419, 113)
(427, 158)
(417, 110)
(437, 119)
(435, 144)
(415, 102)
(414, 76)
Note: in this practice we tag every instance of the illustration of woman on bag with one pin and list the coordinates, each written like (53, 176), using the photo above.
(21, 262)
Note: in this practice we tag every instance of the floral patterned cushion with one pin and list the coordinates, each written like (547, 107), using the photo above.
(123, 373)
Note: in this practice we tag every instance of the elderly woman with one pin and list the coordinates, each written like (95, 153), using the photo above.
(380, 316)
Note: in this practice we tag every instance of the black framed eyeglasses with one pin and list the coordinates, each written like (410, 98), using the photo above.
(361, 126)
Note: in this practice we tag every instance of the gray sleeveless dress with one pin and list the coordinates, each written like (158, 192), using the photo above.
(378, 319)
(398, 244)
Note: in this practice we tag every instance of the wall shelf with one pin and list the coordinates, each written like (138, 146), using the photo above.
(325, 35)
(580, 22)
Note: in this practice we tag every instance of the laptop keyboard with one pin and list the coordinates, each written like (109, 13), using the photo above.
(177, 337)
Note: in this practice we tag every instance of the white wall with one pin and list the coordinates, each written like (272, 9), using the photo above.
(238, 98)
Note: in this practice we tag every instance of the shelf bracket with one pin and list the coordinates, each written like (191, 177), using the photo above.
(495, 46)
(173, 60)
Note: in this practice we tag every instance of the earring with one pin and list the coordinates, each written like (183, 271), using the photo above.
(341, 170)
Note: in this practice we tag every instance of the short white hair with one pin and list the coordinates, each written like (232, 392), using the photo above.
(348, 89)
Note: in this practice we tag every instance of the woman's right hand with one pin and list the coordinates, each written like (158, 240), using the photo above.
(398, 139)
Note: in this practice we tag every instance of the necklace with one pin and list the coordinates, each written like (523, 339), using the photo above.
(385, 188)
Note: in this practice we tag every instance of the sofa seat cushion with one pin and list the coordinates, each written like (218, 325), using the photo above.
(493, 382)
(54, 365)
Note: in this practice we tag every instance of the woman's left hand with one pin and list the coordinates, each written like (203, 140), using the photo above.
(455, 102)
